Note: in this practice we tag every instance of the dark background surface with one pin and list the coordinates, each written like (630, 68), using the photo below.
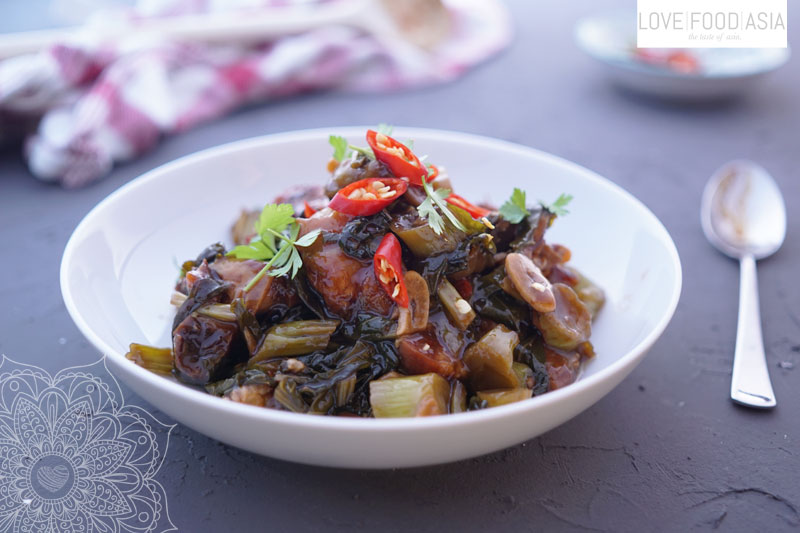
(666, 450)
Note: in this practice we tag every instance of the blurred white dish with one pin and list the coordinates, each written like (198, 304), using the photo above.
(725, 72)
(118, 271)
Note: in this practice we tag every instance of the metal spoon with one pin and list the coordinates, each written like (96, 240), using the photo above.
(744, 217)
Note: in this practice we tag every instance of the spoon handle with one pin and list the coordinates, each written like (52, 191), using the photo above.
(750, 384)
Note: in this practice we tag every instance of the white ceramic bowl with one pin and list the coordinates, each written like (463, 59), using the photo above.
(726, 72)
(119, 268)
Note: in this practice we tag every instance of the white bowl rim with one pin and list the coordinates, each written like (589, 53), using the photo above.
(203, 400)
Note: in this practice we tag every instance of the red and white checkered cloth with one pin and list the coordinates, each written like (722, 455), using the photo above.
(105, 104)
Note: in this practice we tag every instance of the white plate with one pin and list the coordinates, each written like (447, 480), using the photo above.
(726, 72)
(119, 268)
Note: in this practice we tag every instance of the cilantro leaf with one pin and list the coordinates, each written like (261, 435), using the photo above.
(428, 209)
(365, 150)
(286, 255)
(559, 207)
(514, 210)
(339, 147)
(275, 217)
(275, 222)
(293, 263)
(254, 250)
(307, 239)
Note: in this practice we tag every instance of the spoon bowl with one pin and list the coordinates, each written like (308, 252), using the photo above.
(743, 215)
(743, 211)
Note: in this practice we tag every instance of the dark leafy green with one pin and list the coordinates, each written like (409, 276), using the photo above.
(251, 376)
(472, 254)
(490, 301)
(309, 297)
(210, 253)
(318, 388)
(247, 321)
(531, 351)
(432, 269)
(368, 326)
(531, 230)
(361, 236)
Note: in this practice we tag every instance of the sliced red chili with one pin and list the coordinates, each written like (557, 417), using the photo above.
(683, 62)
(433, 173)
(464, 288)
(308, 211)
(388, 263)
(678, 60)
(397, 156)
(368, 196)
(474, 210)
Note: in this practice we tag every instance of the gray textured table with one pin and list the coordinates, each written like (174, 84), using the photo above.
(666, 450)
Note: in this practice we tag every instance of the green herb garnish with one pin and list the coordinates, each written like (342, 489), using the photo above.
(339, 147)
(559, 206)
(514, 210)
(343, 149)
(427, 209)
(365, 150)
(276, 222)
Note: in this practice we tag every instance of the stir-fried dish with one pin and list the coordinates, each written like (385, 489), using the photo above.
(381, 294)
